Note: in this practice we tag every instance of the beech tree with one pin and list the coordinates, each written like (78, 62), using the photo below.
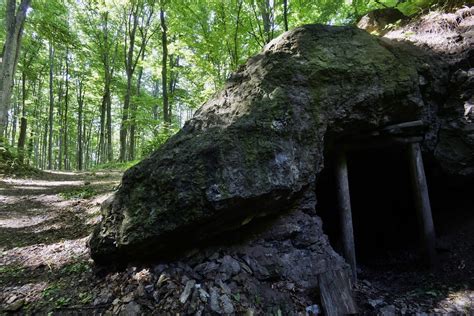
(14, 21)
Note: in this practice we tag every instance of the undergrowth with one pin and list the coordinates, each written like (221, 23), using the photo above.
(79, 193)
(11, 164)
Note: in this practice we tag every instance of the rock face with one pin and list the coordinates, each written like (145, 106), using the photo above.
(378, 21)
(256, 149)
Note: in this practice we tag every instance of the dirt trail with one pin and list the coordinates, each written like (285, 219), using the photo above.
(44, 226)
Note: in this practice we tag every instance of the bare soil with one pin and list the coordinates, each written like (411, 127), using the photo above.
(44, 226)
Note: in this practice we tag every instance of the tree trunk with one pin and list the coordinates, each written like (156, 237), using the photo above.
(51, 107)
(103, 106)
(133, 121)
(15, 116)
(110, 153)
(156, 91)
(59, 76)
(10, 53)
(285, 14)
(22, 139)
(66, 110)
(80, 143)
(164, 70)
(103, 110)
(123, 126)
(131, 28)
(23, 124)
(235, 54)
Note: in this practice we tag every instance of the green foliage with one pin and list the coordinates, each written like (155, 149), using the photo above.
(160, 138)
(11, 271)
(11, 164)
(207, 41)
(50, 292)
(80, 193)
(76, 268)
(85, 298)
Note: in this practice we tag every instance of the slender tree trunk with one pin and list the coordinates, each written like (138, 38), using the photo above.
(23, 125)
(130, 40)
(123, 126)
(14, 30)
(51, 107)
(236, 57)
(88, 136)
(173, 76)
(133, 114)
(15, 115)
(45, 147)
(80, 143)
(66, 112)
(266, 14)
(164, 68)
(110, 153)
(156, 91)
(106, 64)
(285, 14)
(59, 160)
(103, 110)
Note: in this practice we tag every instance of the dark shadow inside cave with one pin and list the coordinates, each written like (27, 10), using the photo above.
(386, 229)
(383, 208)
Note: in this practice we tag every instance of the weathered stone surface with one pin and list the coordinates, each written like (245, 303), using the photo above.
(380, 21)
(258, 145)
(286, 254)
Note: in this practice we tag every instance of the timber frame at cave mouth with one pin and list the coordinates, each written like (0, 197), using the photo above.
(409, 134)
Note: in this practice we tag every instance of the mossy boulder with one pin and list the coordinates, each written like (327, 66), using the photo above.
(258, 146)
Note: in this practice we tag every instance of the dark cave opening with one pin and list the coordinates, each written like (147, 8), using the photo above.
(383, 207)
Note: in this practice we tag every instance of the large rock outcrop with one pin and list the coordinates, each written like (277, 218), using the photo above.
(256, 148)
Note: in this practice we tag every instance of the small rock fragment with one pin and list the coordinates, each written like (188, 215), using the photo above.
(227, 305)
(214, 302)
(187, 291)
(131, 309)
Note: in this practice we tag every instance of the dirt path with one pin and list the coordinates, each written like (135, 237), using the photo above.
(44, 226)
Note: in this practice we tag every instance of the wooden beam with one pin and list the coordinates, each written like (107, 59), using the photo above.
(422, 202)
(345, 212)
(403, 125)
(379, 142)
(336, 293)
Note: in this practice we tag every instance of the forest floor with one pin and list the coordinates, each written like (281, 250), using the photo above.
(45, 264)
(44, 226)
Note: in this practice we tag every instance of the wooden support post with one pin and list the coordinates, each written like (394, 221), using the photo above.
(422, 202)
(345, 213)
(336, 293)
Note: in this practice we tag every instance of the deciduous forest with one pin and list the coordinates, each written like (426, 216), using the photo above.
(236, 157)
(96, 82)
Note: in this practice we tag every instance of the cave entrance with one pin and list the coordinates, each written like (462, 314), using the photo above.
(381, 194)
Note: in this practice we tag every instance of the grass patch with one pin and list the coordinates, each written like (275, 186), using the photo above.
(11, 272)
(80, 193)
(76, 268)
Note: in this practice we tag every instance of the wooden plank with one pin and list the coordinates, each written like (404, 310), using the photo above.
(379, 142)
(336, 293)
(345, 212)
(403, 125)
(422, 202)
